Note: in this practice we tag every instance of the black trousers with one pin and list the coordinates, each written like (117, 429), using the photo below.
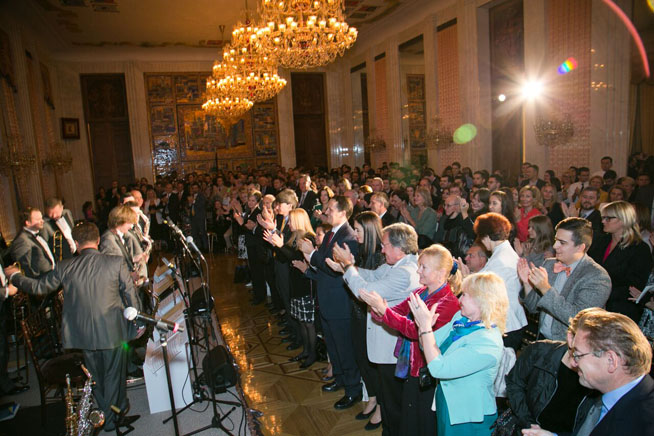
(109, 371)
(338, 338)
(367, 369)
(417, 417)
(5, 382)
(256, 273)
(390, 397)
(282, 281)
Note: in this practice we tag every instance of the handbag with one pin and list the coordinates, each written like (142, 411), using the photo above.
(506, 424)
(425, 380)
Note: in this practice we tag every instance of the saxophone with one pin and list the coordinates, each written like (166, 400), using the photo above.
(83, 421)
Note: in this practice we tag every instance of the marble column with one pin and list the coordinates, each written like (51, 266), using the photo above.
(394, 141)
(285, 120)
(431, 79)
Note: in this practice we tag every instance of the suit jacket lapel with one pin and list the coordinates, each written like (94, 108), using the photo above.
(570, 282)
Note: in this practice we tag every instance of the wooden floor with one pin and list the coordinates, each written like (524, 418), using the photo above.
(290, 398)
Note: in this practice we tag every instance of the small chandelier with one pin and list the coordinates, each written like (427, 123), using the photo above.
(250, 71)
(59, 160)
(226, 108)
(306, 33)
(375, 141)
(554, 131)
(438, 136)
(16, 161)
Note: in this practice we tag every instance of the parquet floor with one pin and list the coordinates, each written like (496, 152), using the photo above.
(290, 398)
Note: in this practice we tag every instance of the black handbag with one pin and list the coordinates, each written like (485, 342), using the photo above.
(507, 424)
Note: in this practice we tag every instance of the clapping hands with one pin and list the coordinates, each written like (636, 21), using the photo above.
(273, 238)
(374, 300)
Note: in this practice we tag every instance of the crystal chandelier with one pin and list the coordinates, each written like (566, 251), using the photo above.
(16, 161)
(306, 33)
(554, 131)
(228, 109)
(438, 136)
(59, 160)
(250, 71)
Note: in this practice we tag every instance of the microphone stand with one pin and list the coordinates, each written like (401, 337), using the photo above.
(163, 340)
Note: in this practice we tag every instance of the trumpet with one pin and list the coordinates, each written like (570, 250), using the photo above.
(57, 245)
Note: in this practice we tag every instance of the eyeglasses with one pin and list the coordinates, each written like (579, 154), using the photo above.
(608, 218)
(577, 357)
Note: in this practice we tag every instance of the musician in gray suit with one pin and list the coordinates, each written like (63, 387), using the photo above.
(29, 248)
(566, 284)
(118, 240)
(97, 288)
(59, 220)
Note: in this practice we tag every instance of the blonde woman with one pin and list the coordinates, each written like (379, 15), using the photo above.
(440, 280)
(302, 307)
(530, 205)
(465, 354)
(624, 255)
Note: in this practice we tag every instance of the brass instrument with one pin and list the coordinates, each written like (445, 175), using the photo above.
(57, 245)
(84, 420)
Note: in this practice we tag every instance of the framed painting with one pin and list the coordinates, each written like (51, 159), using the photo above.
(159, 89)
(165, 155)
(199, 133)
(417, 112)
(264, 117)
(187, 89)
(162, 120)
(415, 85)
(70, 128)
(265, 142)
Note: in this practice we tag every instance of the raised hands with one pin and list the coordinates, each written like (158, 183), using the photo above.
(273, 238)
(424, 317)
(301, 265)
(465, 270)
(343, 255)
(336, 266)
(374, 300)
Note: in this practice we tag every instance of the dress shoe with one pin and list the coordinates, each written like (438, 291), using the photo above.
(293, 346)
(331, 387)
(346, 402)
(297, 358)
(373, 425)
(308, 362)
(284, 332)
(18, 389)
(288, 339)
(327, 378)
(362, 416)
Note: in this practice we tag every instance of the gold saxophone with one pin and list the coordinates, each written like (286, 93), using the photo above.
(57, 245)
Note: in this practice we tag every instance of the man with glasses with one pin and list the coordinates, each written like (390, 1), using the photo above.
(612, 356)
(566, 284)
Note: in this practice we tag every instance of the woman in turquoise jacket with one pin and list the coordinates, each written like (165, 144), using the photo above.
(464, 355)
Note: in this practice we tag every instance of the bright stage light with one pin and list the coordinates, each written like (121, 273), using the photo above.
(501, 97)
(532, 90)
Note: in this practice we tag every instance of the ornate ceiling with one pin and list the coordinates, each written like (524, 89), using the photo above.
(161, 23)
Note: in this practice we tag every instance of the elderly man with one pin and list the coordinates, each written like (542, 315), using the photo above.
(612, 356)
(565, 285)
(307, 198)
(379, 204)
(393, 281)
(476, 257)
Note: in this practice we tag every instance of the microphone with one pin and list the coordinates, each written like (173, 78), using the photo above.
(171, 266)
(189, 241)
(173, 226)
(131, 314)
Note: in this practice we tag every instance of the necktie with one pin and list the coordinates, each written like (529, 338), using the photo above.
(559, 267)
(304, 195)
(591, 419)
(46, 249)
(329, 238)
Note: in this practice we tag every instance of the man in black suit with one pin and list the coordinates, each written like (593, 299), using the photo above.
(335, 302)
(59, 220)
(588, 210)
(199, 218)
(532, 177)
(379, 204)
(97, 288)
(612, 356)
(29, 248)
(307, 199)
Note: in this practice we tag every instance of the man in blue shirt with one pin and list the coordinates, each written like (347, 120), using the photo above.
(612, 356)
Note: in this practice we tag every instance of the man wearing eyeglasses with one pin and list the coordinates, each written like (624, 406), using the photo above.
(612, 356)
(566, 284)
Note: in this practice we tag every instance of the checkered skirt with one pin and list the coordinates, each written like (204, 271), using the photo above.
(303, 309)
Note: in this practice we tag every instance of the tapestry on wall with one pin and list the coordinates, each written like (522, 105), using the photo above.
(185, 139)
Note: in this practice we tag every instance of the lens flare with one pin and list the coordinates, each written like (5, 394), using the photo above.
(567, 66)
(464, 134)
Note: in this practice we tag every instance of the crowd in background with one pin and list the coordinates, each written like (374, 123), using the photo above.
(371, 261)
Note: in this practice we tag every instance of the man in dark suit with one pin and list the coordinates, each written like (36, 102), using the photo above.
(97, 288)
(335, 302)
(379, 204)
(199, 218)
(29, 248)
(588, 199)
(532, 178)
(59, 220)
(612, 356)
(307, 199)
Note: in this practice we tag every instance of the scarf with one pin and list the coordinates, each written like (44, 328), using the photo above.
(461, 327)
(403, 351)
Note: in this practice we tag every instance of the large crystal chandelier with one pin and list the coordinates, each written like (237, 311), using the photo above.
(306, 33)
(250, 71)
(227, 108)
